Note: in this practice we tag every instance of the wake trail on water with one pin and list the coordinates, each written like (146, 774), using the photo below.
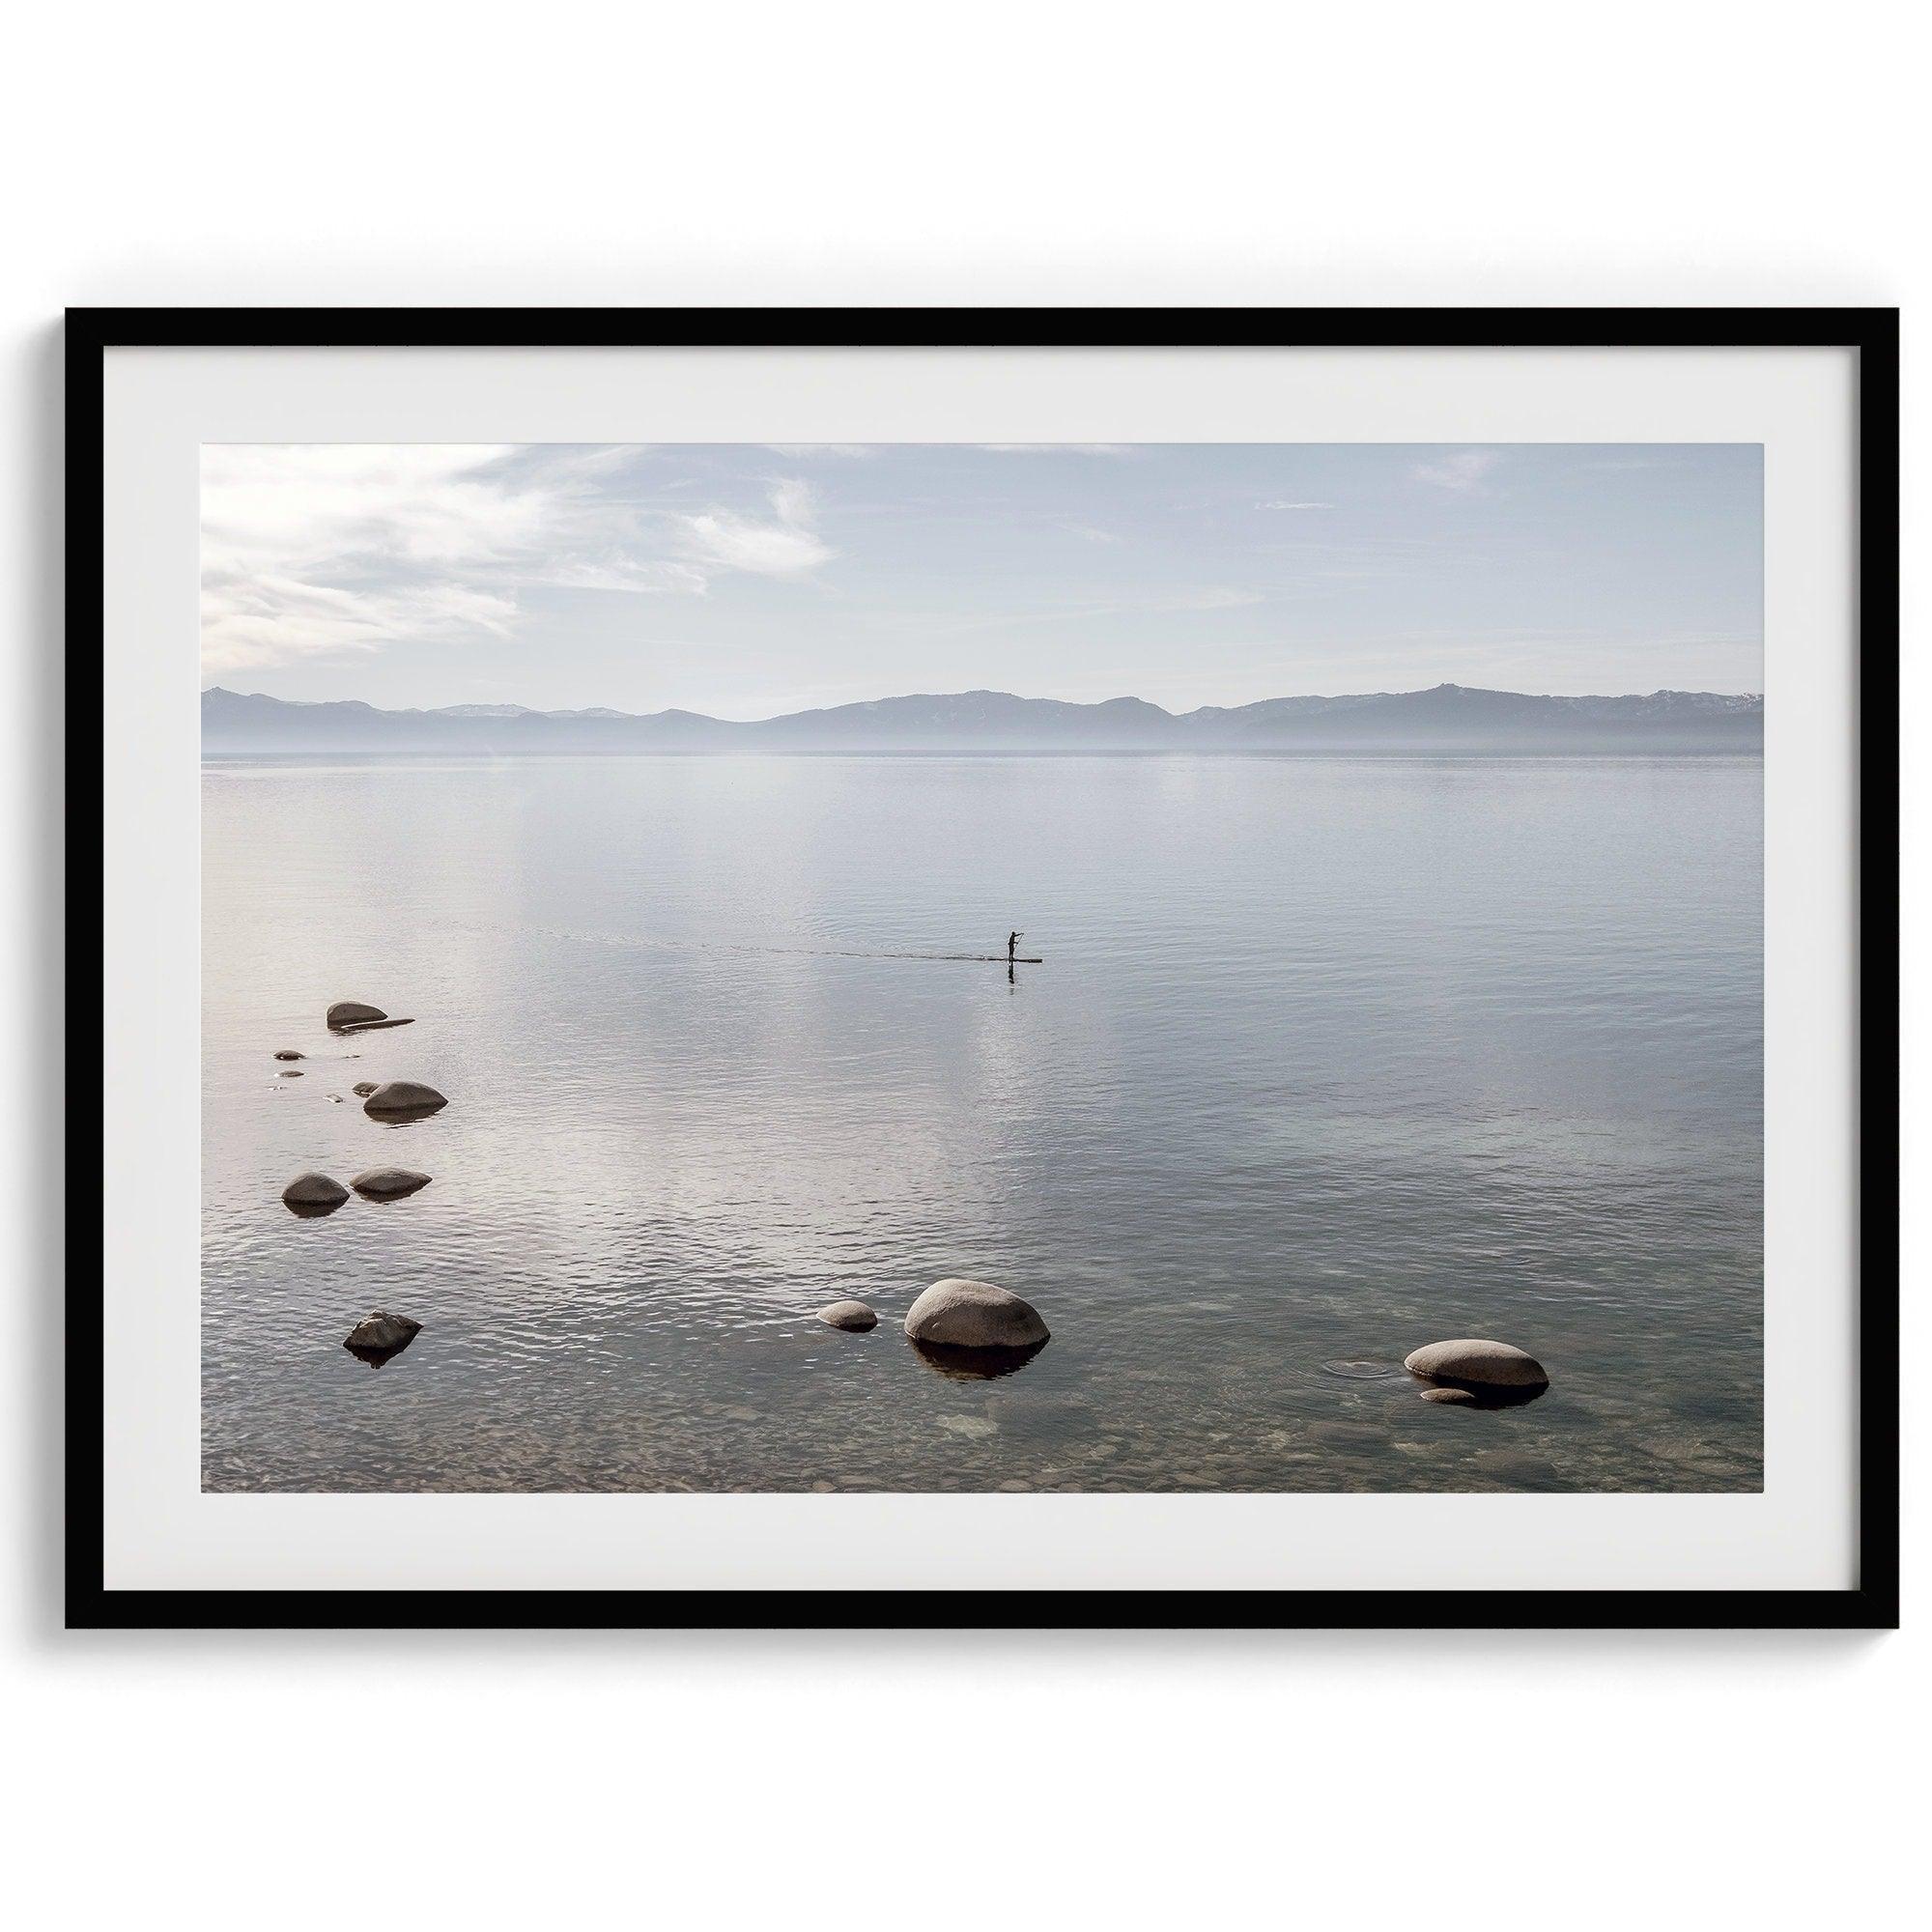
(782, 951)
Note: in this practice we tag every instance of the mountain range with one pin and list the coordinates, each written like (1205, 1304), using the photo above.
(1447, 718)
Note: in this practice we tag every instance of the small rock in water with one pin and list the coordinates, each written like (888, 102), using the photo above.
(408, 1099)
(314, 1192)
(353, 1012)
(1447, 1394)
(852, 1315)
(958, 1313)
(363, 1088)
(379, 1336)
(388, 1184)
(288, 1053)
(1490, 1364)
(290, 1073)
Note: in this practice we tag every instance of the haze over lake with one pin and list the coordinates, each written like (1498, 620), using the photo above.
(1328, 1056)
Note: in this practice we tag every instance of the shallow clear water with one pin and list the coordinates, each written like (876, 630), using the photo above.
(1327, 1058)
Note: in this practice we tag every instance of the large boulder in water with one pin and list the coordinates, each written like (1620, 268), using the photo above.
(390, 1183)
(1477, 1364)
(353, 1012)
(956, 1314)
(409, 1098)
(851, 1314)
(379, 1336)
(313, 1191)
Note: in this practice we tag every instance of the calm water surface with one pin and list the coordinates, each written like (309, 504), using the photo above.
(1329, 1058)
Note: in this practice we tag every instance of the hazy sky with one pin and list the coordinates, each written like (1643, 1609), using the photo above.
(745, 579)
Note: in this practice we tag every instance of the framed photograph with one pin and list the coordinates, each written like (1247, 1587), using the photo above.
(1174, 968)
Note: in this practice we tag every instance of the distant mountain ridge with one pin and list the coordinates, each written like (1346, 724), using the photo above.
(1447, 718)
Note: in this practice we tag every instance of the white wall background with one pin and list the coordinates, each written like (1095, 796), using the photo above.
(1406, 153)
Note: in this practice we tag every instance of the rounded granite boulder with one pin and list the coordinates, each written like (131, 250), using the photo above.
(853, 1316)
(288, 1053)
(314, 1190)
(1476, 1363)
(353, 1012)
(379, 1336)
(405, 1098)
(958, 1313)
(388, 1184)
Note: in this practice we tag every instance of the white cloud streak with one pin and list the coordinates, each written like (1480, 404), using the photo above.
(720, 541)
(315, 551)
(1462, 471)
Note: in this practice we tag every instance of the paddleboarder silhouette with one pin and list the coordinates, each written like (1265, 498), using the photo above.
(1013, 946)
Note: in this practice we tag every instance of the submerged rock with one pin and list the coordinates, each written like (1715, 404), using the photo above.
(379, 1336)
(1485, 1364)
(974, 1365)
(363, 1088)
(404, 1099)
(851, 1314)
(314, 1191)
(290, 1073)
(288, 1053)
(390, 1183)
(958, 1313)
(1448, 1395)
(353, 1012)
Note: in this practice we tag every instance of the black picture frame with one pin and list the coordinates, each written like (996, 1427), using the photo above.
(1871, 332)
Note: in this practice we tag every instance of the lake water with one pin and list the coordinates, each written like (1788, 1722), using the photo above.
(1328, 1059)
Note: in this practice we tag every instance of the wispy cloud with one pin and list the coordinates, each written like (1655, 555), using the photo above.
(719, 540)
(1281, 503)
(1222, 597)
(1462, 471)
(1091, 534)
(1076, 611)
(317, 551)
(269, 619)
